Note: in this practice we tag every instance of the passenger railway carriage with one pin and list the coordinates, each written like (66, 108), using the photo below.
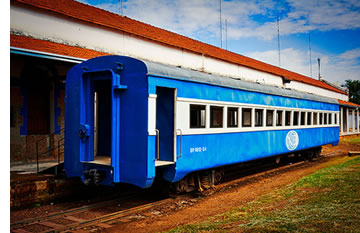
(127, 118)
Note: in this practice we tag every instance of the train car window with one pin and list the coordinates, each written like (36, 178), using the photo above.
(335, 119)
(232, 117)
(279, 115)
(287, 118)
(320, 118)
(197, 116)
(315, 121)
(325, 118)
(302, 118)
(259, 117)
(330, 116)
(246, 117)
(309, 118)
(296, 118)
(216, 117)
(269, 117)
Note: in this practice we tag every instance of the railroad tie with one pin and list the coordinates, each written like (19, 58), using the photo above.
(103, 225)
(75, 219)
(20, 231)
(50, 224)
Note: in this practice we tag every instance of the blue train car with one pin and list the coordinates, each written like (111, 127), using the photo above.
(126, 118)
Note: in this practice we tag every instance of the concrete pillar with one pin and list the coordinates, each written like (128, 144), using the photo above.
(358, 121)
(353, 120)
(347, 120)
(341, 121)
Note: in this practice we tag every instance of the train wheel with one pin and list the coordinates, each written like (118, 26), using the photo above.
(317, 152)
(308, 155)
(277, 159)
(219, 174)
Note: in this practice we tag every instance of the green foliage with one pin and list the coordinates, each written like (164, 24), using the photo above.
(355, 140)
(326, 201)
(354, 90)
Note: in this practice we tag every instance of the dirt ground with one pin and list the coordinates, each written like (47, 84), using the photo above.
(194, 210)
(220, 202)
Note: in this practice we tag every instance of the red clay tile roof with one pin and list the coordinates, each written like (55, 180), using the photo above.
(89, 14)
(51, 47)
(341, 102)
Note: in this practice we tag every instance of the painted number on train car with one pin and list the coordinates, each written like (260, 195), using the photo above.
(198, 149)
(292, 140)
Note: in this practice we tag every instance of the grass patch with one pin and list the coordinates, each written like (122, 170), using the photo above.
(326, 201)
(355, 140)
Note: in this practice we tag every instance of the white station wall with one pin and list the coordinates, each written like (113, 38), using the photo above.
(58, 29)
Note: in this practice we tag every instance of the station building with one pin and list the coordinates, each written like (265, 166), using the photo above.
(48, 37)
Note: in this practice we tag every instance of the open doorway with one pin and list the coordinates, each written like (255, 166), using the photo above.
(102, 122)
(165, 123)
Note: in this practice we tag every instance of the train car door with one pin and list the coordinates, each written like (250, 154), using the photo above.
(165, 125)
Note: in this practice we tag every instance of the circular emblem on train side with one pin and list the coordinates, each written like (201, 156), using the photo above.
(292, 140)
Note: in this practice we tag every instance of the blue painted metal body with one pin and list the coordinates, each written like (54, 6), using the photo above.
(130, 162)
(213, 150)
(133, 150)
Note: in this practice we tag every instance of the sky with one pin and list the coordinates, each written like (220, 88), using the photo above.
(331, 28)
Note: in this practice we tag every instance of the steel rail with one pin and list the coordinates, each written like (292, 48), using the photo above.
(108, 217)
(36, 220)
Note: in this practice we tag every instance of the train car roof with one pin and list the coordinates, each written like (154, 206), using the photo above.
(179, 73)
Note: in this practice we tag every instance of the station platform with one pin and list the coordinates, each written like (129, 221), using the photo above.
(30, 168)
(28, 187)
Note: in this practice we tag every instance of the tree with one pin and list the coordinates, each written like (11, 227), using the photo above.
(354, 90)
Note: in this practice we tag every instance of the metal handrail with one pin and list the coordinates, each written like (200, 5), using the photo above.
(180, 142)
(59, 146)
(158, 143)
(47, 136)
(49, 150)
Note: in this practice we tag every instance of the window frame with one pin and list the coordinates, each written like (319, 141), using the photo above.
(325, 118)
(309, 118)
(315, 118)
(288, 118)
(272, 117)
(302, 118)
(235, 117)
(281, 113)
(198, 126)
(221, 122)
(321, 118)
(295, 118)
(259, 122)
(248, 110)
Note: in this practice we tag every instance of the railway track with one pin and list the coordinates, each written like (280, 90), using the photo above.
(102, 215)
(91, 215)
